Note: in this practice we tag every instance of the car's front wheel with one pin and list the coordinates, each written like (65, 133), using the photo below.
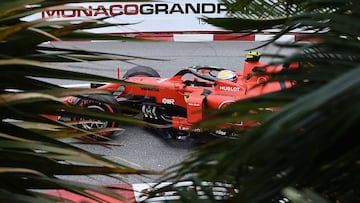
(97, 103)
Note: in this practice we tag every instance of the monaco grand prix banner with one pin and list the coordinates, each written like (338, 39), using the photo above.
(135, 17)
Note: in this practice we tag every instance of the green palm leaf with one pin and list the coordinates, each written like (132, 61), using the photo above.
(306, 151)
(34, 153)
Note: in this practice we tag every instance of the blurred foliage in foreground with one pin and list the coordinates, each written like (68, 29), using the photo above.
(32, 158)
(308, 151)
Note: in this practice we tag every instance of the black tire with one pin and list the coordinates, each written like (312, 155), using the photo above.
(98, 103)
(141, 70)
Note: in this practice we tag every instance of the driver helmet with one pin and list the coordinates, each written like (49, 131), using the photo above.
(227, 75)
(253, 56)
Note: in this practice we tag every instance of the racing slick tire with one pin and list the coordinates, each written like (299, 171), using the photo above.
(141, 70)
(98, 103)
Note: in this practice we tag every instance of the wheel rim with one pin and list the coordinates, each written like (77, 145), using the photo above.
(94, 124)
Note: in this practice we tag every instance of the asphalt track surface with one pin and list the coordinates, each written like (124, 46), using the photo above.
(140, 148)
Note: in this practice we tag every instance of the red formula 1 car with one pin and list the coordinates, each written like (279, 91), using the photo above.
(184, 99)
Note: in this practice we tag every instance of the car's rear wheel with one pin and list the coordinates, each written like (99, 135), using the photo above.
(100, 104)
(141, 71)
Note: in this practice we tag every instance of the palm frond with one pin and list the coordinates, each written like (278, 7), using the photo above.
(292, 153)
(35, 155)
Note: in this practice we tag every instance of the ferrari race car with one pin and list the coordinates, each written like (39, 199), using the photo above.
(181, 101)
